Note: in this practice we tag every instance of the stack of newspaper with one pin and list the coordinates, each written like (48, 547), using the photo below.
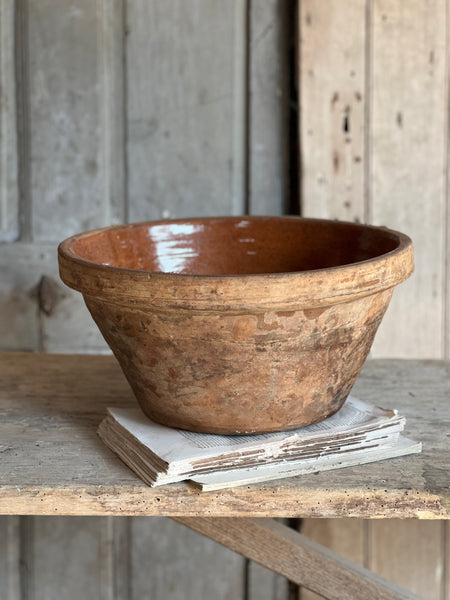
(358, 433)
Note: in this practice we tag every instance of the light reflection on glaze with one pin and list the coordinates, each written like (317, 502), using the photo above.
(175, 246)
(243, 224)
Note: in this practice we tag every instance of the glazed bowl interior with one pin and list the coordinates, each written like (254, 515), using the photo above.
(234, 246)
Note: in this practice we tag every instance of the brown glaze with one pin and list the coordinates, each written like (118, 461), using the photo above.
(238, 324)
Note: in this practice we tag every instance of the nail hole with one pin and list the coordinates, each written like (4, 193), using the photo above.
(346, 120)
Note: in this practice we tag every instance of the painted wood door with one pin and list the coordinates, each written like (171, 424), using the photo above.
(113, 111)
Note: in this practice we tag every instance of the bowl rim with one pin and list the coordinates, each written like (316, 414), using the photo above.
(370, 275)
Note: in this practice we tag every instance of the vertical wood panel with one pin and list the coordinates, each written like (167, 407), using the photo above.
(112, 100)
(9, 193)
(115, 581)
(66, 558)
(268, 106)
(446, 551)
(74, 111)
(184, 107)
(345, 536)
(239, 159)
(22, 80)
(408, 129)
(171, 561)
(446, 323)
(410, 554)
(9, 558)
(26, 556)
(264, 584)
(332, 108)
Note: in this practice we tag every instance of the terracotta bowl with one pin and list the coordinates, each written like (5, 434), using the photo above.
(238, 324)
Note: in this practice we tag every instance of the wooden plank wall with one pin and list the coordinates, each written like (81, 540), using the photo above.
(113, 111)
(118, 110)
(373, 84)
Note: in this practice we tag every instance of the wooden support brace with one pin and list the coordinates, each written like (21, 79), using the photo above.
(297, 558)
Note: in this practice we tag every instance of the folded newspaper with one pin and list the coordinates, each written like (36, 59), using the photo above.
(358, 433)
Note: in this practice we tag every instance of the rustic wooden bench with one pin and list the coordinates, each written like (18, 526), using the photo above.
(52, 463)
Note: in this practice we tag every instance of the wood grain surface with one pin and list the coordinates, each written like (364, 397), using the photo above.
(54, 463)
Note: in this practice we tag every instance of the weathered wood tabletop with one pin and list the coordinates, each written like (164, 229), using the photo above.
(52, 462)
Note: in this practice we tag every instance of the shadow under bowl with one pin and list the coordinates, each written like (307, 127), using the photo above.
(238, 324)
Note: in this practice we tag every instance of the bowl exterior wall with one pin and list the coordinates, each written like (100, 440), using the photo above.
(241, 372)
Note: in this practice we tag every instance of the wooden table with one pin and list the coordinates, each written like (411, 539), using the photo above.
(52, 462)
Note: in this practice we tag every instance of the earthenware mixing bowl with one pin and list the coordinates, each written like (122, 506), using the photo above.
(238, 324)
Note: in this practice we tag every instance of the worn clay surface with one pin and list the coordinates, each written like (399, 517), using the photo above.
(233, 325)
